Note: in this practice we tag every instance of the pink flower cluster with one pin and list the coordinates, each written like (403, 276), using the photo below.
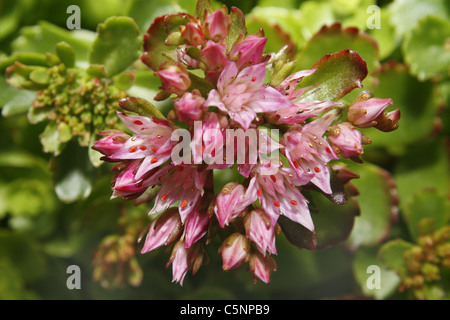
(186, 211)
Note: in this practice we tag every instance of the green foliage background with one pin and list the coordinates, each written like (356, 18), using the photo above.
(55, 210)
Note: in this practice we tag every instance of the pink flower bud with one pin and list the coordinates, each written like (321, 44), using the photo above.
(230, 203)
(234, 250)
(249, 51)
(192, 33)
(195, 227)
(214, 56)
(111, 143)
(259, 229)
(217, 25)
(174, 79)
(363, 114)
(125, 183)
(389, 121)
(163, 230)
(180, 262)
(184, 259)
(190, 107)
(262, 267)
(345, 139)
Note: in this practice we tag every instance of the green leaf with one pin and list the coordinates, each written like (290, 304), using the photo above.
(141, 106)
(314, 16)
(333, 223)
(50, 139)
(427, 48)
(44, 37)
(389, 280)
(20, 76)
(23, 254)
(203, 7)
(405, 14)
(428, 205)
(426, 166)
(238, 29)
(337, 74)
(94, 155)
(377, 202)
(334, 38)
(39, 76)
(281, 26)
(391, 254)
(9, 18)
(144, 12)
(154, 44)
(117, 45)
(14, 101)
(276, 37)
(124, 81)
(297, 234)
(27, 58)
(385, 35)
(72, 174)
(66, 54)
(29, 197)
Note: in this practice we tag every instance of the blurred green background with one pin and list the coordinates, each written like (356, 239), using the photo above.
(405, 177)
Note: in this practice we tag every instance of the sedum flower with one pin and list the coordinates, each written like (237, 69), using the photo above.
(150, 143)
(113, 141)
(302, 107)
(261, 231)
(230, 203)
(278, 194)
(242, 94)
(249, 51)
(182, 184)
(309, 152)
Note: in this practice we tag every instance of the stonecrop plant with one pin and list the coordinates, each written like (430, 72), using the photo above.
(203, 138)
(277, 132)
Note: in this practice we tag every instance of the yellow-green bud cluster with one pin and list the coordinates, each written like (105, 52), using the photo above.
(426, 260)
(80, 105)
